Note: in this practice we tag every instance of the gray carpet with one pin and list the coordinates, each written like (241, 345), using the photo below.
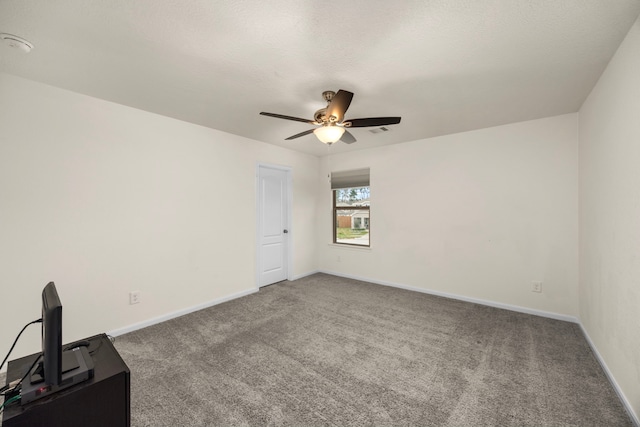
(325, 350)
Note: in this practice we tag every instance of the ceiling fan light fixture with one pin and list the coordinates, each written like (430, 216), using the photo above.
(329, 134)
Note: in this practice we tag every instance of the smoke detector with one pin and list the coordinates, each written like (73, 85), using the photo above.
(16, 42)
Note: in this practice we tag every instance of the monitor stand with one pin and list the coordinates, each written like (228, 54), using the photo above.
(77, 366)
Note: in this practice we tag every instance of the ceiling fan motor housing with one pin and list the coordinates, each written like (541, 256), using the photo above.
(320, 116)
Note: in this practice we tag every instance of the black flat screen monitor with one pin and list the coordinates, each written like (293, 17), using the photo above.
(51, 335)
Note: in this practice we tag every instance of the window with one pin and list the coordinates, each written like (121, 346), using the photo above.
(351, 205)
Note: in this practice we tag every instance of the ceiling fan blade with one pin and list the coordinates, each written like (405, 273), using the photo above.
(339, 104)
(347, 137)
(298, 135)
(280, 116)
(372, 121)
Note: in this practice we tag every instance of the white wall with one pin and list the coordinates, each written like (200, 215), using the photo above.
(104, 199)
(479, 214)
(610, 216)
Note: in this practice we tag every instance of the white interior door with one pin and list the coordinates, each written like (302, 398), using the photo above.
(273, 220)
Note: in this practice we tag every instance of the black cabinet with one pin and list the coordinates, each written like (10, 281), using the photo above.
(100, 401)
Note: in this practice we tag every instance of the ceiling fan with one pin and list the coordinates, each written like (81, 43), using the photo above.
(331, 119)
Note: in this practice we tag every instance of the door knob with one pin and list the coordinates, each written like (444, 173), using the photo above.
(285, 231)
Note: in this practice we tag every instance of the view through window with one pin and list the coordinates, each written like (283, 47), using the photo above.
(351, 216)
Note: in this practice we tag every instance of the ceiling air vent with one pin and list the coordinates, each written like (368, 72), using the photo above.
(379, 130)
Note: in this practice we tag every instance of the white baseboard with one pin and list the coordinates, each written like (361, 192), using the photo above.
(612, 380)
(300, 276)
(173, 315)
(517, 308)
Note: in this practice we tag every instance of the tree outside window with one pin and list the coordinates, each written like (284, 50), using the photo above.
(351, 207)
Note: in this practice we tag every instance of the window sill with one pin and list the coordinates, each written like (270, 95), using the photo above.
(350, 247)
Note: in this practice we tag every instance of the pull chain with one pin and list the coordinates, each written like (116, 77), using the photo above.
(329, 163)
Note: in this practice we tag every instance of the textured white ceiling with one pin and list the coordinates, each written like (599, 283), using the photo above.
(445, 66)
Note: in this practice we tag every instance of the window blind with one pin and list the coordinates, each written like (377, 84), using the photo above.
(350, 179)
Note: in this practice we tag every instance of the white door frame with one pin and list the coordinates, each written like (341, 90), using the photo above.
(289, 193)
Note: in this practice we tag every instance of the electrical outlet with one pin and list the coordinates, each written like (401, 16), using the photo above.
(134, 297)
(536, 287)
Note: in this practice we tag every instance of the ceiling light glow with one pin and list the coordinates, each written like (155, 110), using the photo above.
(329, 134)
